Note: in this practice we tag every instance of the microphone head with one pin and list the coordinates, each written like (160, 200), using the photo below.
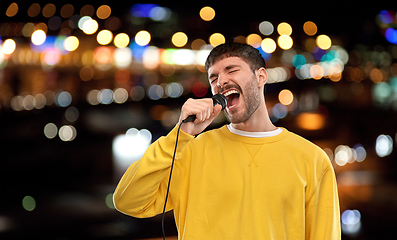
(220, 99)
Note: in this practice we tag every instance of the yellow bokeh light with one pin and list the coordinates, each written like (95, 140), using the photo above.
(217, 39)
(324, 42)
(285, 42)
(179, 39)
(104, 37)
(268, 45)
(12, 10)
(310, 28)
(38, 37)
(121, 40)
(286, 97)
(90, 26)
(9, 46)
(310, 121)
(207, 13)
(71, 43)
(254, 40)
(142, 38)
(284, 29)
(103, 12)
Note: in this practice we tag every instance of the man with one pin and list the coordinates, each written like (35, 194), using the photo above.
(246, 180)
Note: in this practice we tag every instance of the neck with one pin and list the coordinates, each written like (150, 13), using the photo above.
(258, 122)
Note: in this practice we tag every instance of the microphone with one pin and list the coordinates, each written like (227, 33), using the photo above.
(217, 99)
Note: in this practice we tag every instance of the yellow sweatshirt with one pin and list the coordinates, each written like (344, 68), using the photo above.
(226, 186)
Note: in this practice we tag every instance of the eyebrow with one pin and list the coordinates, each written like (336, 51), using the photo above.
(228, 67)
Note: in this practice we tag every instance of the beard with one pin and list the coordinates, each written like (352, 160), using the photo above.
(251, 96)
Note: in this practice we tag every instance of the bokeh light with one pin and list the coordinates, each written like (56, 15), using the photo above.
(310, 121)
(63, 99)
(174, 90)
(51, 57)
(67, 133)
(87, 10)
(310, 28)
(129, 147)
(71, 43)
(207, 13)
(268, 45)
(92, 97)
(109, 201)
(298, 61)
(90, 26)
(384, 145)
(49, 10)
(104, 37)
(254, 40)
(103, 12)
(324, 42)
(50, 130)
(179, 39)
(286, 97)
(343, 155)
(121, 40)
(12, 10)
(9, 46)
(266, 28)
(105, 96)
(122, 57)
(38, 37)
(284, 29)
(285, 42)
(72, 114)
(160, 13)
(142, 38)
(34, 10)
(29, 203)
(67, 10)
(120, 95)
(200, 89)
(155, 92)
(351, 222)
(216, 39)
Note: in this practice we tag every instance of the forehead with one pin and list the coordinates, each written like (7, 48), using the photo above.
(225, 62)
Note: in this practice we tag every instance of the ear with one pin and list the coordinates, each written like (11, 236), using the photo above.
(261, 76)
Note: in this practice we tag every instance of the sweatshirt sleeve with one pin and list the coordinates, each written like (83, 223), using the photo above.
(322, 209)
(141, 191)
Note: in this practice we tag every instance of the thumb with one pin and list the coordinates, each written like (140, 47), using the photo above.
(216, 110)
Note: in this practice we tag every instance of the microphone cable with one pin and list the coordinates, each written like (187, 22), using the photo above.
(169, 180)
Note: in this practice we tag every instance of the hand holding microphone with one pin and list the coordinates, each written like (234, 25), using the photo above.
(197, 114)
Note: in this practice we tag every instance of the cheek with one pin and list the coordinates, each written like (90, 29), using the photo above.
(214, 90)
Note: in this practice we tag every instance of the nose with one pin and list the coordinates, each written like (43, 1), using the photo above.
(222, 80)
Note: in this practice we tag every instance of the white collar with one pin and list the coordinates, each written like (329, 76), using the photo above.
(254, 134)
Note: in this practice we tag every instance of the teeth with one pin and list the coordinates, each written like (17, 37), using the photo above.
(230, 92)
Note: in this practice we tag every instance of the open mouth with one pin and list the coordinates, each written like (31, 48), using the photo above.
(233, 98)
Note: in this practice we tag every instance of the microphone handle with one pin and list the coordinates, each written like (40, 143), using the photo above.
(191, 118)
(217, 99)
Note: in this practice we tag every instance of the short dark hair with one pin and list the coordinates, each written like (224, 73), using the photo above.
(244, 51)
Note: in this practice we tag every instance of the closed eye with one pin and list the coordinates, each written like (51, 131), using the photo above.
(213, 80)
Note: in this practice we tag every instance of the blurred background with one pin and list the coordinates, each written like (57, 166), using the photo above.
(86, 86)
